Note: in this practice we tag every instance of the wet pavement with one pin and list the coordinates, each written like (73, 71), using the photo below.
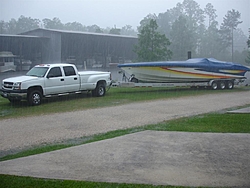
(148, 157)
(240, 111)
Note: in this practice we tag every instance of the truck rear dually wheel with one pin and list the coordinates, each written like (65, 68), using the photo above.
(99, 91)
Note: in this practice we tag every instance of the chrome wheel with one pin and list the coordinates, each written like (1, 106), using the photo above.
(222, 85)
(230, 84)
(34, 98)
(214, 85)
(101, 91)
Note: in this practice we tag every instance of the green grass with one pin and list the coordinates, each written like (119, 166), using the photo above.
(115, 96)
(216, 123)
(27, 182)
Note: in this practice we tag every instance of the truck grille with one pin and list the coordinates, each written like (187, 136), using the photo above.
(8, 85)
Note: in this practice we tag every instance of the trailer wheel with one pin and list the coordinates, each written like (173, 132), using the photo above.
(34, 97)
(99, 91)
(222, 84)
(230, 84)
(214, 85)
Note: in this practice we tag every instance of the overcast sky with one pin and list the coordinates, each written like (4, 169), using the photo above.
(110, 13)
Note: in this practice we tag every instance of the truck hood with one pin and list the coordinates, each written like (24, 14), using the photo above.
(20, 79)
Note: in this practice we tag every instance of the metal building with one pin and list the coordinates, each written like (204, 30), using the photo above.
(81, 48)
(92, 49)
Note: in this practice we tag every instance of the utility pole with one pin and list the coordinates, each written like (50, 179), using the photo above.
(232, 44)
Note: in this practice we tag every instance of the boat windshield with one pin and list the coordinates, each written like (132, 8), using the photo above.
(37, 71)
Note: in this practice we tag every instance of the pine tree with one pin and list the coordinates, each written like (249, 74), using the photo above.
(247, 60)
(152, 46)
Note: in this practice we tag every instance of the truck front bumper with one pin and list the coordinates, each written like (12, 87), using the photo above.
(14, 94)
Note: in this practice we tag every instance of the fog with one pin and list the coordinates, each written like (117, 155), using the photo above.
(111, 13)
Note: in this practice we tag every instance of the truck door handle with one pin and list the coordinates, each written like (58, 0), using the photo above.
(75, 78)
(62, 79)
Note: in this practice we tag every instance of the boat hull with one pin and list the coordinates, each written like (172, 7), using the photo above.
(187, 71)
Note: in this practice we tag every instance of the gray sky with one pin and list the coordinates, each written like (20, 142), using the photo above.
(108, 13)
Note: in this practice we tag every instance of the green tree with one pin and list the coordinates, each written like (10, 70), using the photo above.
(94, 29)
(74, 26)
(146, 20)
(115, 31)
(128, 30)
(211, 13)
(21, 25)
(182, 39)
(152, 46)
(12, 27)
(195, 22)
(247, 60)
(230, 23)
(26, 23)
(164, 22)
(3, 27)
(209, 42)
(194, 13)
(55, 23)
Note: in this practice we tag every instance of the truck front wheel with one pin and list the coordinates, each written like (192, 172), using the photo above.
(99, 91)
(34, 98)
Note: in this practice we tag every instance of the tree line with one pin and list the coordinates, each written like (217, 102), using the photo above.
(23, 24)
(187, 27)
(191, 28)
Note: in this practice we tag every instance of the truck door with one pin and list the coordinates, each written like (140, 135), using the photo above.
(71, 82)
(54, 82)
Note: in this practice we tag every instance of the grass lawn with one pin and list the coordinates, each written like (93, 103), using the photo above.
(27, 182)
(115, 96)
(228, 123)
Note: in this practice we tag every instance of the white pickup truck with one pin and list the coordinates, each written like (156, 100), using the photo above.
(49, 80)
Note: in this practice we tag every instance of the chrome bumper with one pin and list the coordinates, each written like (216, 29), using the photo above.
(10, 94)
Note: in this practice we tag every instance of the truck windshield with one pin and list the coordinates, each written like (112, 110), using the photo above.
(37, 71)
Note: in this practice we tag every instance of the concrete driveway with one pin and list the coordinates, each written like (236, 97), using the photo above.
(148, 157)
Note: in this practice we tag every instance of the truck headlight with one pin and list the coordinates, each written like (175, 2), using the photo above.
(17, 86)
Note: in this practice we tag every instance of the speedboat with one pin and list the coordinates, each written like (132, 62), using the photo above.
(192, 70)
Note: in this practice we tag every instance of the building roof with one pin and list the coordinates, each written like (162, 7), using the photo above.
(21, 36)
(80, 32)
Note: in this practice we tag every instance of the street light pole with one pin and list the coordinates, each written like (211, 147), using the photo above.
(232, 44)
